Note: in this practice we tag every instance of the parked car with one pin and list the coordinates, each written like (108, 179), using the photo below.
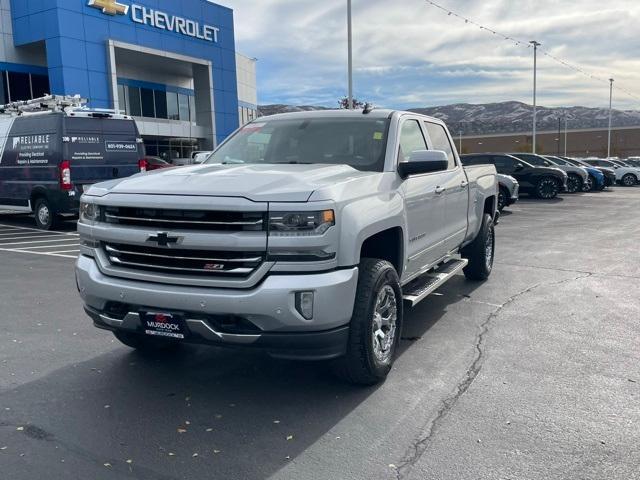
(577, 177)
(508, 191)
(52, 149)
(633, 162)
(156, 163)
(595, 178)
(303, 235)
(543, 182)
(608, 173)
(626, 176)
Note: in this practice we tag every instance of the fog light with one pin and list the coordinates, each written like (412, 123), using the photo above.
(304, 304)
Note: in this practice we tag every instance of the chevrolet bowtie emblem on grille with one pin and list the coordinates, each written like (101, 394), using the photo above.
(110, 7)
(163, 239)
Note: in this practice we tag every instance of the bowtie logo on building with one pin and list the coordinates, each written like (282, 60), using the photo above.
(110, 7)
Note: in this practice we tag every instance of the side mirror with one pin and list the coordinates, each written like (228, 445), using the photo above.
(424, 161)
(519, 167)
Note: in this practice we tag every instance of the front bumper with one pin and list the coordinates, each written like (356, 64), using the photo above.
(269, 308)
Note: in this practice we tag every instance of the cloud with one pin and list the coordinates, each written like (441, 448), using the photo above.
(408, 53)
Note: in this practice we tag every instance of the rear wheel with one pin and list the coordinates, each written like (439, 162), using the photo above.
(45, 216)
(547, 188)
(629, 180)
(374, 332)
(481, 252)
(574, 183)
(145, 344)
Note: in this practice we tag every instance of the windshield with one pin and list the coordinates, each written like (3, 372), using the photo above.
(359, 142)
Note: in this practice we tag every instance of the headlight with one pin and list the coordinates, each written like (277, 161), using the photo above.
(89, 212)
(301, 223)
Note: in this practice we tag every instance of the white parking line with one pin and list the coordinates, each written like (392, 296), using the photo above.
(62, 252)
(34, 229)
(38, 253)
(64, 245)
(27, 238)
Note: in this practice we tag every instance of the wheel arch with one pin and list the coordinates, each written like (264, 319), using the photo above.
(386, 245)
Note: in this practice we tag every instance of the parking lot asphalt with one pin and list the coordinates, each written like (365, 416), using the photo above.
(534, 374)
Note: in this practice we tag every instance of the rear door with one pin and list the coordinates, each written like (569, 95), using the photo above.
(101, 149)
(456, 186)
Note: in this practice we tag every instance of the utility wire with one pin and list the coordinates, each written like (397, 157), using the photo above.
(521, 43)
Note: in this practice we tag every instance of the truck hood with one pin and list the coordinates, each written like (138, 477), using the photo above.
(260, 183)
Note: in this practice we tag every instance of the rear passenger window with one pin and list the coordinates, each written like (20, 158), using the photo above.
(440, 141)
(411, 140)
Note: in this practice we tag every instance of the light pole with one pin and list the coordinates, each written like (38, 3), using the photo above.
(535, 86)
(460, 150)
(350, 41)
(610, 114)
(565, 134)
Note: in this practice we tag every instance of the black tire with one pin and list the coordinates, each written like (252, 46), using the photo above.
(45, 215)
(481, 252)
(629, 180)
(547, 188)
(574, 183)
(144, 343)
(361, 365)
(503, 197)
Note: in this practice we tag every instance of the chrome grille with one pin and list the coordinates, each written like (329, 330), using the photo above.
(184, 262)
(186, 219)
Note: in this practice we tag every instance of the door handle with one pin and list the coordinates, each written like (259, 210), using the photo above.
(464, 184)
(440, 190)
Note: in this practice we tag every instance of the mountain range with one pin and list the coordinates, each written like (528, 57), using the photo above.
(504, 117)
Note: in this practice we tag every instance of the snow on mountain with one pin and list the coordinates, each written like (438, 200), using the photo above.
(504, 117)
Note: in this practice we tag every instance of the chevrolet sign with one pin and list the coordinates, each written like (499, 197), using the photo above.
(159, 19)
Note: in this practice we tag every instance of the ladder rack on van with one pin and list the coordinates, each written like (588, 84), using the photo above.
(48, 103)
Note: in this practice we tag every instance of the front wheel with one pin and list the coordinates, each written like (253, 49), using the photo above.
(503, 196)
(481, 252)
(574, 183)
(629, 180)
(547, 188)
(376, 324)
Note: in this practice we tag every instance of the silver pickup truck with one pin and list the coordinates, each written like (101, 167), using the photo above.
(304, 235)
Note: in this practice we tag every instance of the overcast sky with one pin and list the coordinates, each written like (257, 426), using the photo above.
(408, 53)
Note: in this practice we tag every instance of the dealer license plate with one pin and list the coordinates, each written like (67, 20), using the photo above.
(160, 324)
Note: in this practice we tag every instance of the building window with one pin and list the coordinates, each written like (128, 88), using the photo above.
(19, 86)
(161, 104)
(192, 109)
(122, 98)
(135, 106)
(172, 106)
(183, 105)
(148, 103)
(40, 85)
(4, 93)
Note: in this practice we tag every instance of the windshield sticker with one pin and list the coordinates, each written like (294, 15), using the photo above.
(377, 136)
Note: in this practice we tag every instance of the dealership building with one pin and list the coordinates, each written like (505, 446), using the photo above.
(171, 64)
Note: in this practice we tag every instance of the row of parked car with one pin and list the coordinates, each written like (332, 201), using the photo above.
(546, 176)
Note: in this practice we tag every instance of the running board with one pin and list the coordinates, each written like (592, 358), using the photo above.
(423, 286)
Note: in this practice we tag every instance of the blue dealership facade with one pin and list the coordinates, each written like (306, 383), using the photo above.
(172, 64)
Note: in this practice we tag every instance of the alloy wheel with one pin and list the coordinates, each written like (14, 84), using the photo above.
(385, 316)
